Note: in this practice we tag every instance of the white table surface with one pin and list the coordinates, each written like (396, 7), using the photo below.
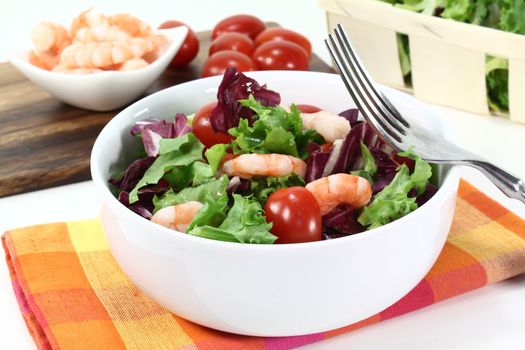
(489, 318)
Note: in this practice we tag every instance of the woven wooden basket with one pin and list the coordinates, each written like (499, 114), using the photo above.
(448, 57)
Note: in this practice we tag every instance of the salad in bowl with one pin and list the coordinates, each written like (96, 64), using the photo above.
(249, 169)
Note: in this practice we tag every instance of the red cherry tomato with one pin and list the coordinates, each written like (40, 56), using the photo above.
(295, 215)
(217, 63)
(283, 34)
(202, 128)
(189, 48)
(308, 108)
(245, 24)
(280, 55)
(232, 41)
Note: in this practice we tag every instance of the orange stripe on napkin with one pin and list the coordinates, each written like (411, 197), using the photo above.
(73, 295)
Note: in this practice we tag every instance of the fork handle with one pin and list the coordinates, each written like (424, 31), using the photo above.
(509, 184)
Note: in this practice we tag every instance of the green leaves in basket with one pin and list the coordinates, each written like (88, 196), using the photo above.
(497, 71)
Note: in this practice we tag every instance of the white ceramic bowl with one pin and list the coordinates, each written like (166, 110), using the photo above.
(102, 91)
(270, 290)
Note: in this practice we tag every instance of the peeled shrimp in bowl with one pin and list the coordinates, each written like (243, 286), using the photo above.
(102, 90)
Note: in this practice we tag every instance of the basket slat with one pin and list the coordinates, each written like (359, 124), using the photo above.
(489, 40)
(448, 57)
(517, 90)
(446, 74)
(377, 48)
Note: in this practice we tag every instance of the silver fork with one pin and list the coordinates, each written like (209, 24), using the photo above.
(395, 130)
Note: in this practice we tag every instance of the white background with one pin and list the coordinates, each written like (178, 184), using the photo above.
(489, 318)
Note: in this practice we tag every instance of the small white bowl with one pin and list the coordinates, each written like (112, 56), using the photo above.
(102, 91)
(270, 290)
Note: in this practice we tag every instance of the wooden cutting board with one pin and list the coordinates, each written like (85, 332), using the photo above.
(46, 143)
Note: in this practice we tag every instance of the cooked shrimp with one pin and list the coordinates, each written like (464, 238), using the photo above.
(159, 43)
(133, 64)
(101, 32)
(87, 19)
(331, 126)
(95, 55)
(335, 189)
(48, 36)
(248, 165)
(177, 217)
(134, 26)
(45, 60)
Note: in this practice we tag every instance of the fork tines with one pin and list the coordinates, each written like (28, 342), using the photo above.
(374, 106)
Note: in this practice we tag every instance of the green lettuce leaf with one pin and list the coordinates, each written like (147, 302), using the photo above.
(458, 10)
(212, 190)
(214, 155)
(274, 131)
(245, 223)
(201, 172)
(512, 16)
(427, 7)
(422, 171)
(403, 48)
(369, 165)
(211, 214)
(177, 152)
(497, 71)
(393, 201)
(261, 189)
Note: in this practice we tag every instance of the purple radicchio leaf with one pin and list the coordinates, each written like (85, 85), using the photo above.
(350, 115)
(153, 130)
(386, 169)
(345, 155)
(137, 207)
(236, 86)
(133, 174)
(237, 185)
(429, 192)
(144, 206)
(341, 221)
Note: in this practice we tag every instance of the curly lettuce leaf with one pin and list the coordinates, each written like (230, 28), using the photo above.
(261, 189)
(245, 223)
(214, 155)
(213, 190)
(458, 10)
(512, 16)
(394, 201)
(274, 131)
(178, 152)
(211, 214)
(369, 165)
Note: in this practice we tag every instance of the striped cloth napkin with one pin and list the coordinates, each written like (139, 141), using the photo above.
(73, 295)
